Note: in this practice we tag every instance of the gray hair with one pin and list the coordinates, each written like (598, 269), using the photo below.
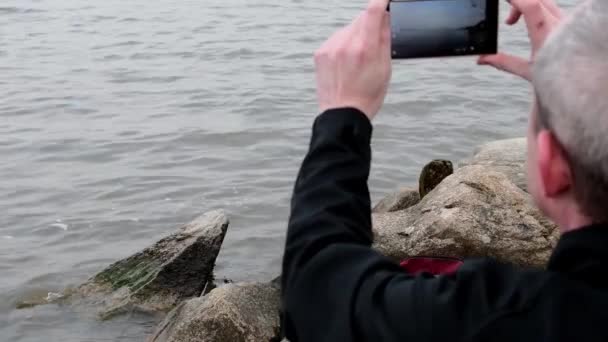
(570, 76)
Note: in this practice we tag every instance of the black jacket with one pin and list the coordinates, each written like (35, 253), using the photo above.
(336, 288)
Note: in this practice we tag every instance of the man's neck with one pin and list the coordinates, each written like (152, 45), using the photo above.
(574, 222)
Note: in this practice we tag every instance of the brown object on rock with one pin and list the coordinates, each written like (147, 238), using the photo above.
(161, 276)
(432, 174)
(403, 199)
(477, 212)
(234, 312)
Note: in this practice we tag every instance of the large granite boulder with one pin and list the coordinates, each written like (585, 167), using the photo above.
(507, 156)
(476, 212)
(158, 278)
(236, 312)
(400, 200)
(432, 174)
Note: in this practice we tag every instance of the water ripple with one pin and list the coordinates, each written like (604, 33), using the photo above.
(14, 10)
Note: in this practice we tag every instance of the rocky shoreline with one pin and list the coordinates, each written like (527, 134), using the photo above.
(479, 209)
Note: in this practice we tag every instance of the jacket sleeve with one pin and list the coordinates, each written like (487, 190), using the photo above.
(336, 288)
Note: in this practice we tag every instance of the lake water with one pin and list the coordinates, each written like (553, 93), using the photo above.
(120, 120)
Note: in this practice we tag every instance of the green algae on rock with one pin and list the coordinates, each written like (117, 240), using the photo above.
(158, 278)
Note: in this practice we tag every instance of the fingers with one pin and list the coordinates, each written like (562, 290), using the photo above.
(335, 43)
(369, 31)
(511, 64)
(385, 39)
(378, 4)
(538, 20)
(532, 10)
(552, 7)
(549, 6)
(513, 16)
(373, 19)
(541, 16)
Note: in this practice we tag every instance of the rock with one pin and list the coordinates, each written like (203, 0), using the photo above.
(37, 297)
(234, 312)
(161, 276)
(432, 174)
(477, 212)
(507, 156)
(403, 199)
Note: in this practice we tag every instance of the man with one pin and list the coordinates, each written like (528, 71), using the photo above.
(336, 288)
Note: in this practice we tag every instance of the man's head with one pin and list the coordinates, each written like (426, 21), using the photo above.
(568, 134)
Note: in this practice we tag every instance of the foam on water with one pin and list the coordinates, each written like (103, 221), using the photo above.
(59, 225)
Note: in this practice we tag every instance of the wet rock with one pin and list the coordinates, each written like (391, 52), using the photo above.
(235, 312)
(158, 278)
(37, 297)
(432, 174)
(507, 156)
(400, 200)
(477, 212)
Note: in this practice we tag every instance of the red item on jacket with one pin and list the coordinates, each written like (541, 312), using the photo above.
(432, 265)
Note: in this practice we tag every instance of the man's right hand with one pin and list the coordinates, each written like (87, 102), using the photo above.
(353, 67)
(541, 17)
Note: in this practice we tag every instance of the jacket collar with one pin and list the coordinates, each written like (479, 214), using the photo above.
(583, 254)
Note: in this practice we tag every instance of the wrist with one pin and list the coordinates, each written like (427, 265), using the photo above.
(336, 121)
(365, 110)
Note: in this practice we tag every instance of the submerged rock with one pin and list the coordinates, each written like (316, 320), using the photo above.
(507, 156)
(156, 279)
(403, 199)
(38, 297)
(477, 212)
(432, 174)
(235, 312)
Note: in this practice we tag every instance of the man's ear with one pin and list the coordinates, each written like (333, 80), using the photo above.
(555, 172)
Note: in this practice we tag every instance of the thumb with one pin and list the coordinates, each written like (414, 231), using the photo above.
(512, 64)
(513, 16)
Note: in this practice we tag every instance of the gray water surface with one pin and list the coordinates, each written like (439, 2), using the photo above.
(120, 120)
